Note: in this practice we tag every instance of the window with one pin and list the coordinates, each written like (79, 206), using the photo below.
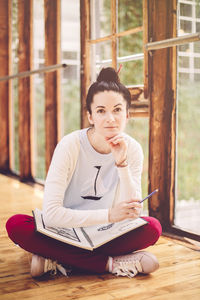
(117, 38)
(39, 97)
(187, 207)
(70, 77)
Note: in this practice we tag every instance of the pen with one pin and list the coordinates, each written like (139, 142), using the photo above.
(149, 195)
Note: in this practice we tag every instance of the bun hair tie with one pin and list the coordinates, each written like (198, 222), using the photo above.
(120, 67)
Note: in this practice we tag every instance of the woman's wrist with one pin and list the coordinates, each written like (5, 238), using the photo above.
(122, 164)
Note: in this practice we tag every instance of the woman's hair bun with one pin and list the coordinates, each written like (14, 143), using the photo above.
(108, 75)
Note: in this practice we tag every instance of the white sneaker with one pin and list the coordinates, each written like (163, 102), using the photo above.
(132, 264)
(41, 265)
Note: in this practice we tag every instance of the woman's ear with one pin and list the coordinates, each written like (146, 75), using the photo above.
(90, 118)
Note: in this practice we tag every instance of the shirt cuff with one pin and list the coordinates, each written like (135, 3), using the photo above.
(123, 172)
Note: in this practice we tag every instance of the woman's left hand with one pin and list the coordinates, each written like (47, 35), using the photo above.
(118, 147)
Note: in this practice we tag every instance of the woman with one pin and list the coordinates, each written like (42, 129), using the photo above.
(94, 178)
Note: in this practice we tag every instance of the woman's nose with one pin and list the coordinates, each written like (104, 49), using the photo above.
(110, 117)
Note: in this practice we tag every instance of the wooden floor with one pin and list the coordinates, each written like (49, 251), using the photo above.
(177, 278)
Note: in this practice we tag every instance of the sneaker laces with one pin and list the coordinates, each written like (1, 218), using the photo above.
(126, 267)
(53, 266)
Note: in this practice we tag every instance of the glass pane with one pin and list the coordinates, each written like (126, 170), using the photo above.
(197, 47)
(185, 10)
(15, 113)
(130, 44)
(188, 144)
(184, 62)
(132, 73)
(186, 26)
(39, 127)
(39, 98)
(197, 10)
(101, 57)
(197, 26)
(138, 128)
(100, 18)
(70, 77)
(129, 14)
(130, 50)
(197, 63)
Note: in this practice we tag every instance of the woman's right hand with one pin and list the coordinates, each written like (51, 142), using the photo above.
(129, 209)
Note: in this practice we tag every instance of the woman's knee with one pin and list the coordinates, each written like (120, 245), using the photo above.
(154, 228)
(18, 225)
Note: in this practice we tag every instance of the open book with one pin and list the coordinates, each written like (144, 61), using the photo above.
(87, 237)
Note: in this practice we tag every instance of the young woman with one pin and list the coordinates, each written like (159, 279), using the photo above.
(94, 178)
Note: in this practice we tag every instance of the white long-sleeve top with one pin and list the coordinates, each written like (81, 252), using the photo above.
(60, 174)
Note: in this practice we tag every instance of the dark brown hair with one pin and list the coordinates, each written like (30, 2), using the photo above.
(107, 80)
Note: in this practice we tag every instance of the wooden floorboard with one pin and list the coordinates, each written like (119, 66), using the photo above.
(177, 278)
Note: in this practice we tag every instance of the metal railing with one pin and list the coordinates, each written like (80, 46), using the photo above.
(181, 40)
(32, 72)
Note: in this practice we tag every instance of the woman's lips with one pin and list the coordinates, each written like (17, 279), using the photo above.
(110, 127)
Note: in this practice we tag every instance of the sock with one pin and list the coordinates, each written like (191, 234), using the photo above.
(110, 264)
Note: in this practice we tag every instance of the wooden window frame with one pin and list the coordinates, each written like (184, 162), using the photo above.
(139, 105)
(162, 92)
(25, 55)
(52, 12)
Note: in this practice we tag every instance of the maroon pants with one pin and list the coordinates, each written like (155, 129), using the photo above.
(21, 230)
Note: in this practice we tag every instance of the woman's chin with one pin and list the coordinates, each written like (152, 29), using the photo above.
(110, 135)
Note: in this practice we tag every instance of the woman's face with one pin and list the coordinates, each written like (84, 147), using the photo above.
(109, 113)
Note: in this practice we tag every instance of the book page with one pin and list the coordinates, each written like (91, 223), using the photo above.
(104, 233)
(70, 236)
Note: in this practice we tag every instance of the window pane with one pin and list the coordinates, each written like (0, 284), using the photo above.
(132, 73)
(129, 14)
(186, 26)
(131, 56)
(184, 62)
(185, 10)
(100, 18)
(188, 143)
(197, 26)
(188, 166)
(138, 128)
(130, 44)
(197, 10)
(100, 57)
(15, 112)
(197, 63)
(70, 77)
(197, 47)
(39, 98)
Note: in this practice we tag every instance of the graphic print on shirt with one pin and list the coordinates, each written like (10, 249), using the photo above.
(97, 185)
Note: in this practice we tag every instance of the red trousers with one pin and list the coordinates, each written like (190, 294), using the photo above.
(21, 230)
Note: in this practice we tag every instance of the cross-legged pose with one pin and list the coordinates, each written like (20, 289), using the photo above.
(94, 178)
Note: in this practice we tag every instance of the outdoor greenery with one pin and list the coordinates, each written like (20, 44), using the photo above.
(130, 16)
(71, 106)
(188, 141)
(39, 129)
(138, 128)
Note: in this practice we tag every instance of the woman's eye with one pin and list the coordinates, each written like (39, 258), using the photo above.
(117, 109)
(100, 111)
